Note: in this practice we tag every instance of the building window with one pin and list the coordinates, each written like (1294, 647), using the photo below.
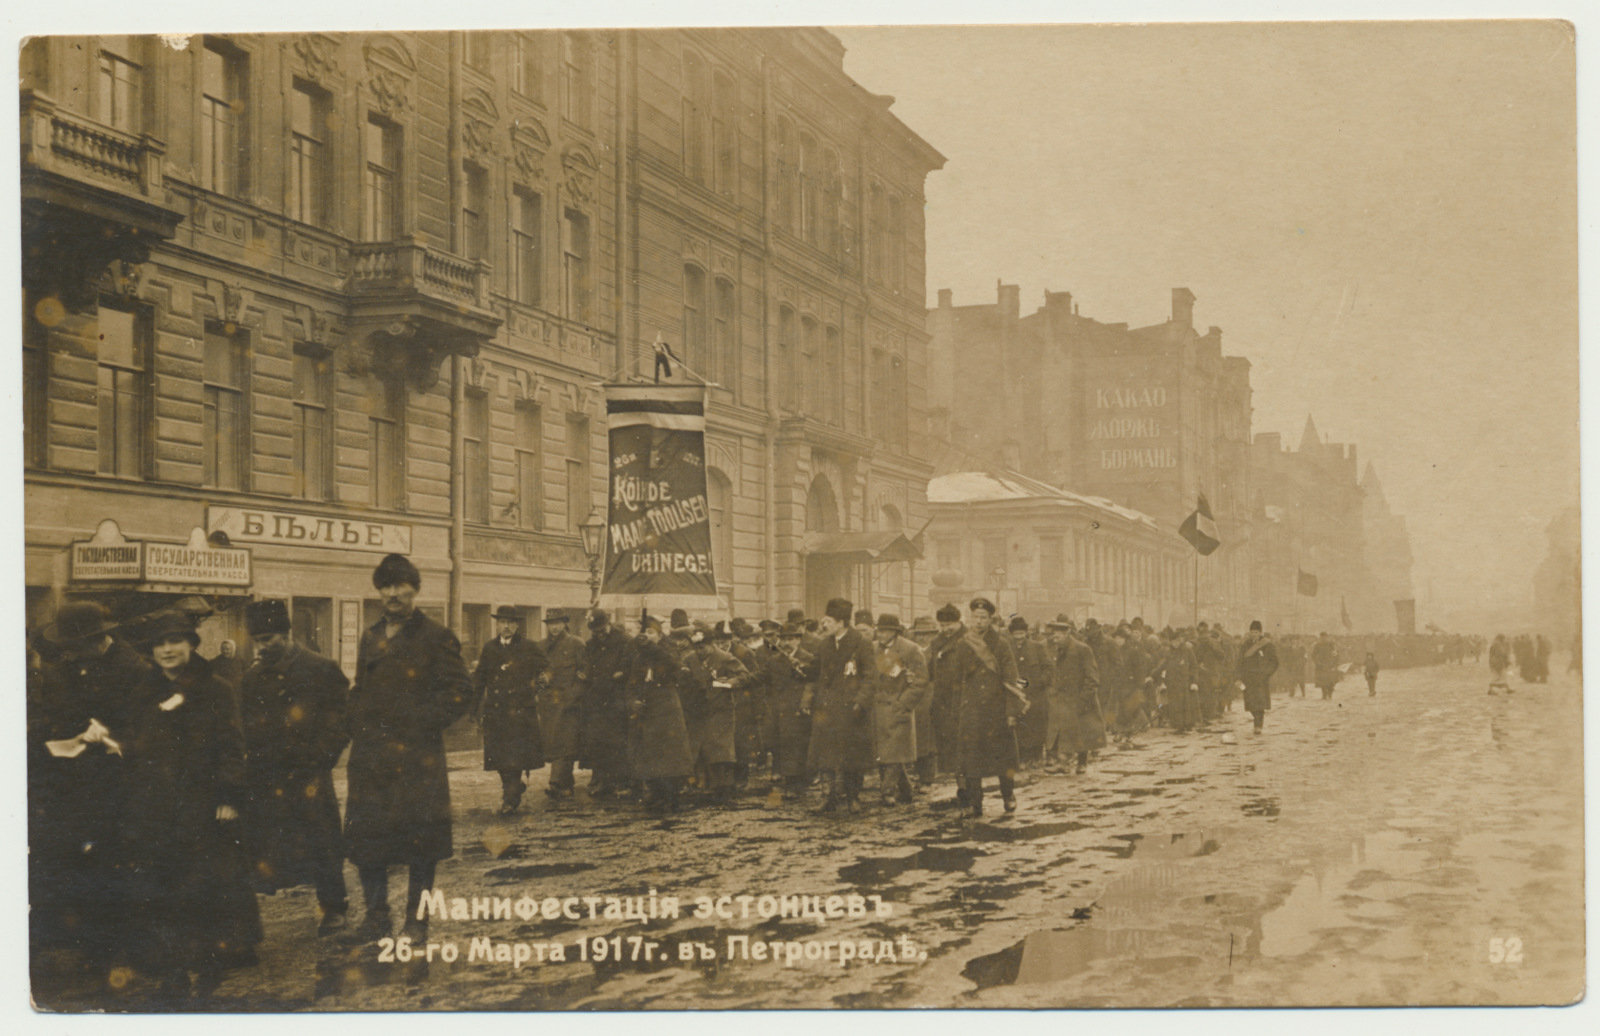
(577, 470)
(832, 186)
(719, 508)
(786, 366)
(1052, 561)
(810, 367)
(118, 92)
(388, 402)
(832, 379)
(810, 192)
(308, 154)
(788, 207)
(478, 49)
(897, 244)
(577, 58)
(223, 155)
(477, 627)
(879, 234)
(475, 444)
(380, 210)
(525, 231)
(311, 618)
(313, 423)
(725, 135)
(575, 264)
(724, 339)
(530, 466)
(527, 72)
(474, 212)
(694, 117)
(225, 438)
(124, 358)
(694, 318)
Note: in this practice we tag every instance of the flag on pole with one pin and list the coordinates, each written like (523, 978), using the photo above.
(1200, 529)
(1344, 615)
(1306, 584)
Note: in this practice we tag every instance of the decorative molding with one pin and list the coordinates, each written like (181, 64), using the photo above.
(316, 53)
(389, 91)
(581, 170)
(724, 456)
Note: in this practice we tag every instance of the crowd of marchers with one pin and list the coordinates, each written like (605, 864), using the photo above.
(166, 790)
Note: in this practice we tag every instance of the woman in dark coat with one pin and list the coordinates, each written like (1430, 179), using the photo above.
(410, 684)
(193, 907)
(658, 741)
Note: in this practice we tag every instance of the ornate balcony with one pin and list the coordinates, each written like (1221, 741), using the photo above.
(91, 195)
(417, 305)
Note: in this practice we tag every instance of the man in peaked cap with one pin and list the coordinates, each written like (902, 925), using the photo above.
(293, 710)
(507, 680)
(410, 685)
(562, 686)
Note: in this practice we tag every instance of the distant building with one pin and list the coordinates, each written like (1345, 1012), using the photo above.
(373, 282)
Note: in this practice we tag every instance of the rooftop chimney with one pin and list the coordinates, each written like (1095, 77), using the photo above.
(1010, 300)
(1183, 307)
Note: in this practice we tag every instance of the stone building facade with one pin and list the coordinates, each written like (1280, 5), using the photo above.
(287, 286)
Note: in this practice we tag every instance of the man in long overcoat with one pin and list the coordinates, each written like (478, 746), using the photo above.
(945, 696)
(1258, 660)
(507, 680)
(1208, 652)
(82, 699)
(561, 689)
(658, 740)
(1033, 665)
(790, 675)
(841, 709)
(1325, 656)
(713, 681)
(900, 687)
(605, 706)
(410, 685)
(991, 703)
(1179, 674)
(1076, 724)
(292, 704)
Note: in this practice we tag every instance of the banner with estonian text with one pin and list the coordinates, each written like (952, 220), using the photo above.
(658, 528)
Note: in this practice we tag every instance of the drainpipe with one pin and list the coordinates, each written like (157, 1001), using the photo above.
(458, 496)
(768, 401)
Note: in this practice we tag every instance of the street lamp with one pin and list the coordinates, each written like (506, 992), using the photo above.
(593, 530)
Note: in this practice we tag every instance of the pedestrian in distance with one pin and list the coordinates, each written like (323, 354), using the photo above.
(411, 684)
(1369, 669)
(1325, 657)
(506, 684)
(1258, 660)
(1499, 664)
(293, 704)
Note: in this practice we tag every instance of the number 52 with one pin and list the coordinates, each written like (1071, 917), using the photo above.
(1505, 951)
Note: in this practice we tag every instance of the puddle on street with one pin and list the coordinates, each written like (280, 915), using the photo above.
(984, 832)
(1262, 807)
(871, 872)
(1337, 890)
(526, 871)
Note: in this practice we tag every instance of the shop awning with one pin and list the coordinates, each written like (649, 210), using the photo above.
(862, 547)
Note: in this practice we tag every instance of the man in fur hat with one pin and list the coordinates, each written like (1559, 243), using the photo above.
(410, 685)
(507, 680)
(292, 704)
(841, 710)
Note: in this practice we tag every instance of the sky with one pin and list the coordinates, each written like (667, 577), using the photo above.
(1381, 217)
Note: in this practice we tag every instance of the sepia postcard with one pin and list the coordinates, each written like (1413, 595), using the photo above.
(784, 518)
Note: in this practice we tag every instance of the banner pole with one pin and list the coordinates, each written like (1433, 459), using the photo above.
(1197, 589)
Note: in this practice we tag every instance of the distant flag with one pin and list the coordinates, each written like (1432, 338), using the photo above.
(1344, 615)
(664, 357)
(1200, 529)
(1306, 585)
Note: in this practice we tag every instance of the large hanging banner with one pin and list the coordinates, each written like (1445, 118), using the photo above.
(658, 528)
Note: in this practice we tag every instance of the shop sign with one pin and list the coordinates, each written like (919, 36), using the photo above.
(293, 529)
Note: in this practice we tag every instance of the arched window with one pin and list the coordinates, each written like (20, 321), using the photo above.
(833, 186)
(785, 369)
(724, 334)
(695, 114)
(822, 510)
(725, 135)
(694, 318)
(788, 207)
(832, 379)
(810, 367)
(719, 506)
(810, 189)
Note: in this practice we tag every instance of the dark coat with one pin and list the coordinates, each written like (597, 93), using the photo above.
(1257, 662)
(295, 728)
(945, 698)
(506, 679)
(1033, 665)
(407, 691)
(841, 707)
(561, 691)
(1077, 721)
(750, 712)
(1179, 673)
(189, 892)
(658, 740)
(1325, 655)
(789, 693)
(75, 805)
(712, 682)
(900, 688)
(608, 657)
(982, 667)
